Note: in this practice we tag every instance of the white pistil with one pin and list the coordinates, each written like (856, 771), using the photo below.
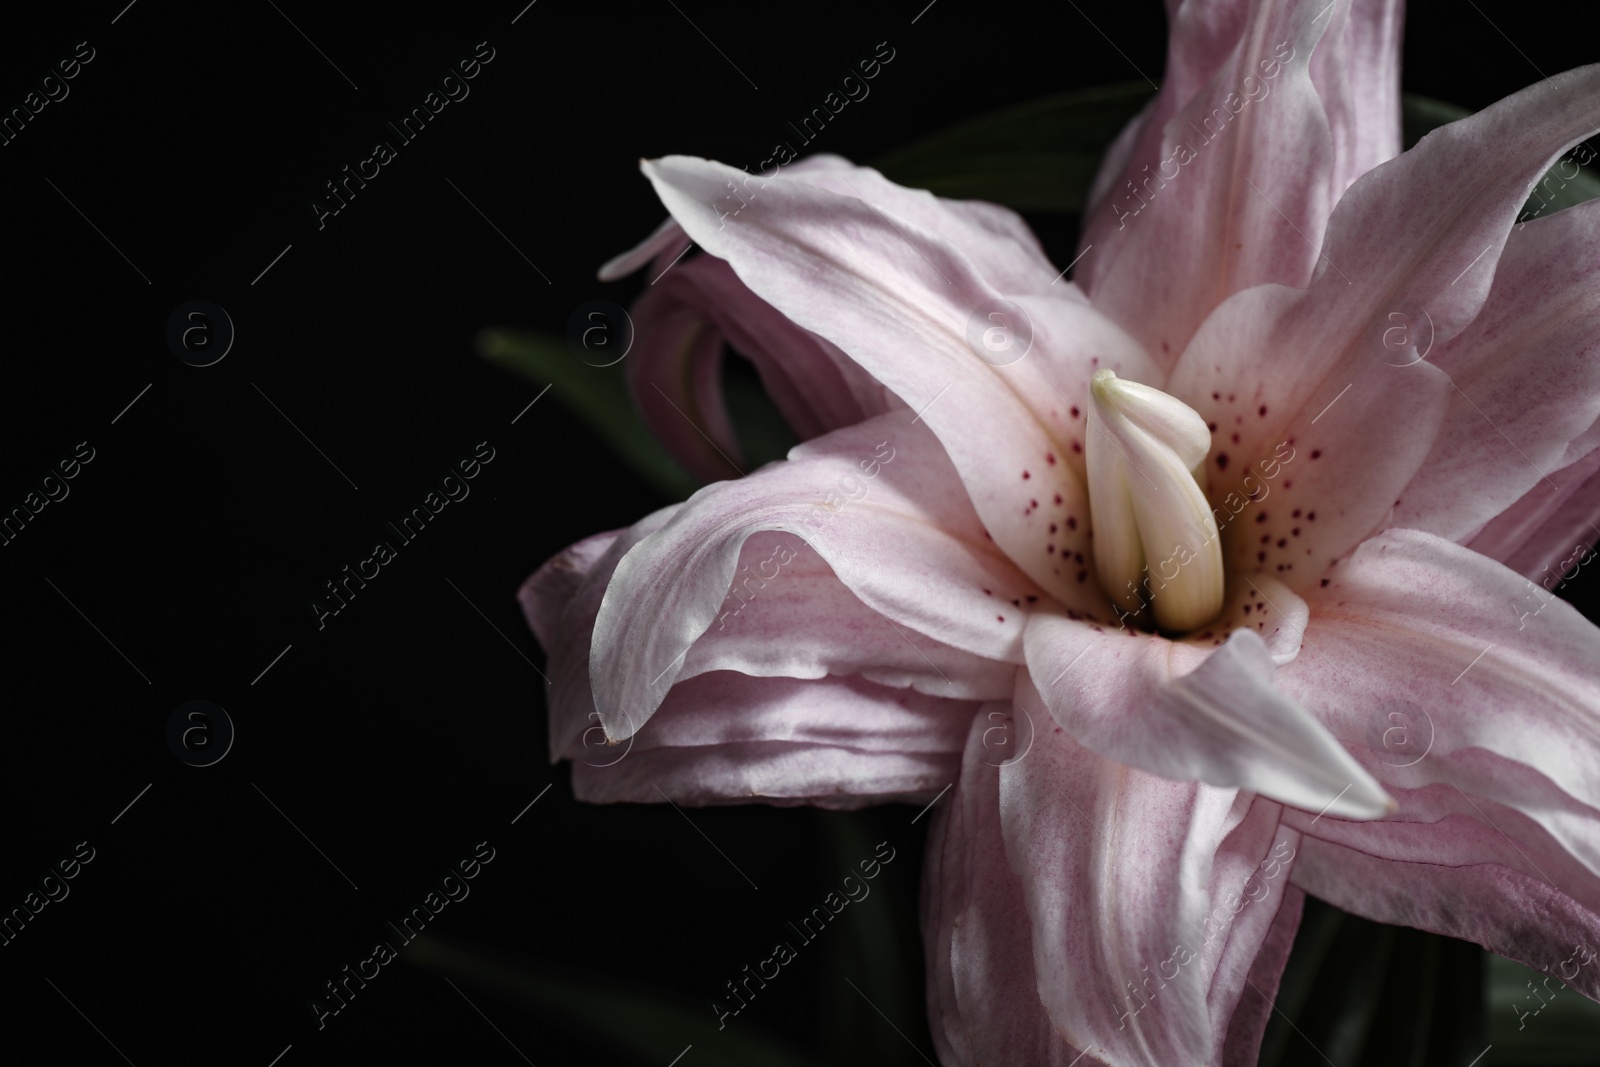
(1156, 541)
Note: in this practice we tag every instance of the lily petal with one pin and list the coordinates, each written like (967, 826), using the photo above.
(983, 994)
(1510, 913)
(1426, 258)
(847, 494)
(724, 738)
(901, 298)
(1527, 379)
(1420, 631)
(1212, 206)
(560, 601)
(675, 377)
(1146, 702)
(1118, 871)
(682, 323)
(1545, 533)
(788, 615)
(1356, 71)
(1242, 1043)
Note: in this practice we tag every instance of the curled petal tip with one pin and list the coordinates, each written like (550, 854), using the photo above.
(1363, 801)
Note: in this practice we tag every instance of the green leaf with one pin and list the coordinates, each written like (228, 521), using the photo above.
(1422, 114)
(1538, 1023)
(651, 1027)
(1039, 156)
(598, 395)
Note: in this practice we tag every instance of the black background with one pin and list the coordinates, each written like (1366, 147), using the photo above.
(409, 728)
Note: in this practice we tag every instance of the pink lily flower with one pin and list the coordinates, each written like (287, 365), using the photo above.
(1214, 580)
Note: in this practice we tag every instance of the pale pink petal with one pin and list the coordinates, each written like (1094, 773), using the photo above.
(788, 615)
(1187, 714)
(878, 502)
(723, 738)
(1242, 1043)
(1003, 832)
(1549, 532)
(547, 592)
(1527, 377)
(1255, 912)
(560, 601)
(1417, 631)
(1512, 914)
(682, 323)
(1202, 37)
(1233, 193)
(689, 309)
(1358, 427)
(1356, 71)
(675, 375)
(1130, 917)
(900, 298)
(1451, 823)
(983, 995)
(666, 240)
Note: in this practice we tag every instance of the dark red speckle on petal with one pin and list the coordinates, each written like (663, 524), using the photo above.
(1052, 527)
(1216, 396)
(1083, 576)
(1058, 498)
(1074, 411)
(1076, 447)
(1311, 516)
(1262, 411)
(1026, 476)
(1211, 426)
(1222, 461)
(1072, 522)
(1325, 583)
(1247, 608)
(1316, 453)
(1262, 517)
(1295, 514)
(1261, 557)
(987, 593)
(1050, 549)
(1295, 532)
(1236, 437)
(999, 618)
(1050, 458)
(1032, 599)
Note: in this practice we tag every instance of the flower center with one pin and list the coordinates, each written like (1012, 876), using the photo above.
(1156, 541)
